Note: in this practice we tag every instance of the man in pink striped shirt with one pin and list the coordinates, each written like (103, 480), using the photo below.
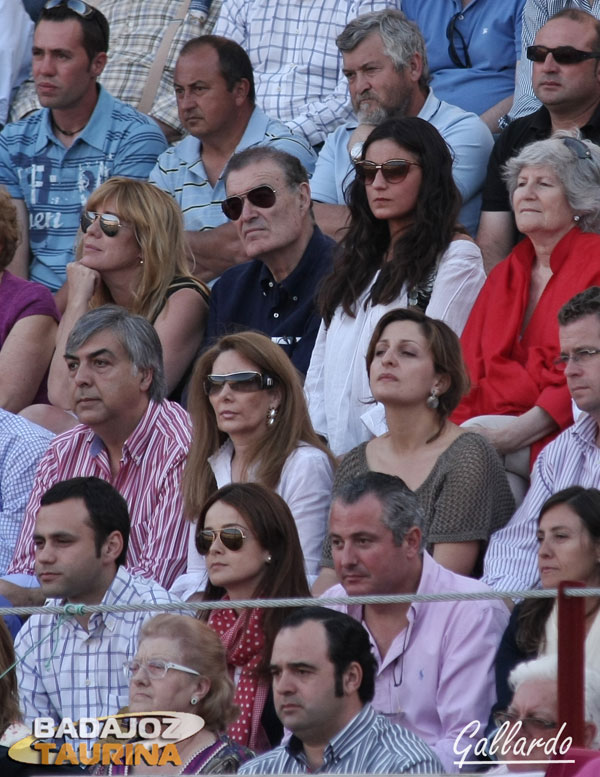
(128, 435)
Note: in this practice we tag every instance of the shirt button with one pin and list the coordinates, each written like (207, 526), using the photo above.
(461, 17)
(295, 299)
(275, 315)
(88, 682)
(270, 284)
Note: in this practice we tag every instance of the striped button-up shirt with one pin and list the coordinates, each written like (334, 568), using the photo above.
(369, 744)
(573, 459)
(76, 672)
(149, 478)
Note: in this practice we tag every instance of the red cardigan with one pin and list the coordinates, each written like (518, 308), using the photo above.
(511, 374)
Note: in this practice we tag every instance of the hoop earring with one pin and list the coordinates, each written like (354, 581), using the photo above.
(194, 700)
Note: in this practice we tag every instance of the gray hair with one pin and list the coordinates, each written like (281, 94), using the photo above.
(293, 169)
(137, 336)
(580, 178)
(401, 38)
(400, 508)
(545, 668)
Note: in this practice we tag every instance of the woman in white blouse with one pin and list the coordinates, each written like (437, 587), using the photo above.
(403, 248)
(250, 423)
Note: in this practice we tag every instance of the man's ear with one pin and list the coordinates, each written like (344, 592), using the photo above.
(98, 64)
(146, 378)
(113, 546)
(305, 200)
(414, 67)
(412, 540)
(352, 678)
(241, 90)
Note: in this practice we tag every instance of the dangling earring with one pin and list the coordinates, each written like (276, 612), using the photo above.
(194, 700)
(432, 400)
(576, 218)
(272, 415)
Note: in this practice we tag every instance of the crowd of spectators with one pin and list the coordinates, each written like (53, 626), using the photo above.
(299, 300)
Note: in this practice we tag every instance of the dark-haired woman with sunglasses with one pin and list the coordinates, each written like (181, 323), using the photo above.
(519, 399)
(132, 252)
(250, 423)
(249, 539)
(403, 248)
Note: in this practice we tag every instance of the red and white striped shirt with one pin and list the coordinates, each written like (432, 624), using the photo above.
(149, 478)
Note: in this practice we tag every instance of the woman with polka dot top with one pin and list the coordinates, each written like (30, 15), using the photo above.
(249, 538)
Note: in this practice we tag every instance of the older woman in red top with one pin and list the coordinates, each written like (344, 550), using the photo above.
(510, 340)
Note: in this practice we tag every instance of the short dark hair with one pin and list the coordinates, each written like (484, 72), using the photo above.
(347, 641)
(94, 26)
(400, 507)
(234, 62)
(581, 16)
(586, 303)
(293, 169)
(106, 507)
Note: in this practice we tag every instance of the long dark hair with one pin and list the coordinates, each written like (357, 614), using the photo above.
(415, 253)
(531, 623)
(274, 527)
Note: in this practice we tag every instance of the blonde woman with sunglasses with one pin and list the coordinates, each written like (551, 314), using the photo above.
(132, 253)
(403, 248)
(250, 423)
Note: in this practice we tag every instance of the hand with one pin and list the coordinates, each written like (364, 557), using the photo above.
(82, 281)
(496, 437)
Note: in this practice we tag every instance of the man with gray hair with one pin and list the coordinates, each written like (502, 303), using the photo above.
(385, 63)
(128, 435)
(268, 202)
(435, 660)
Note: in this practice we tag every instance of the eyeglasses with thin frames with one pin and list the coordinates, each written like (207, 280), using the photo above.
(579, 356)
(156, 668)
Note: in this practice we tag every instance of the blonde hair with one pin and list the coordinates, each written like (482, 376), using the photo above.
(272, 449)
(202, 650)
(158, 227)
(9, 229)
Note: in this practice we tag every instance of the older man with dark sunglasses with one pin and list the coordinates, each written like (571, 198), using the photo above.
(565, 58)
(269, 204)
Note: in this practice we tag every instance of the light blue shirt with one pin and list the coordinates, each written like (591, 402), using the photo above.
(22, 445)
(55, 181)
(492, 32)
(468, 137)
(180, 171)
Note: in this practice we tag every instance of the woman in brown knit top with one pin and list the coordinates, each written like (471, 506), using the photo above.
(416, 372)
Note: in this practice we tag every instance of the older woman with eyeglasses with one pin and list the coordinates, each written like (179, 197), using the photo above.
(250, 423)
(519, 399)
(180, 666)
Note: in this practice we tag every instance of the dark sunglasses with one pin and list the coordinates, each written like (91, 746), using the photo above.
(232, 538)
(393, 171)
(261, 196)
(109, 223)
(578, 147)
(452, 33)
(563, 55)
(244, 382)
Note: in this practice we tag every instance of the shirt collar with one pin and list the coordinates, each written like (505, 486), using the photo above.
(343, 743)
(585, 429)
(94, 132)
(295, 280)
(136, 444)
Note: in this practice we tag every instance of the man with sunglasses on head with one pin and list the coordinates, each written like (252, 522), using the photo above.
(385, 64)
(128, 434)
(268, 202)
(72, 667)
(566, 79)
(53, 159)
(214, 87)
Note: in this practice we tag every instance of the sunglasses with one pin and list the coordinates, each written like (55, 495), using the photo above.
(578, 147)
(563, 55)
(393, 171)
(452, 33)
(244, 382)
(232, 538)
(261, 197)
(156, 668)
(109, 223)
